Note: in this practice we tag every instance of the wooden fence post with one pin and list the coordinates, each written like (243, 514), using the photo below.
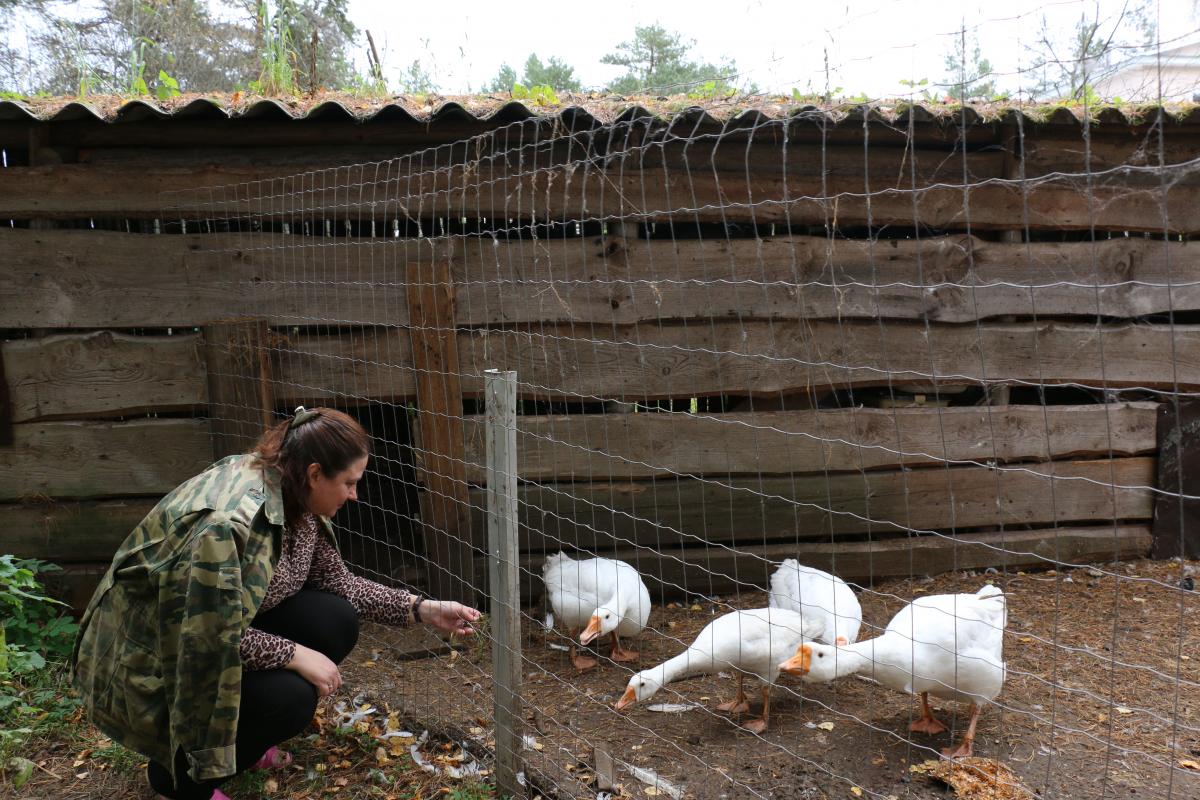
(445, 506)
(504, 586)
(240, 399)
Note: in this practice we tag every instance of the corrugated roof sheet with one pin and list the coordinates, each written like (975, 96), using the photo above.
(575, 110)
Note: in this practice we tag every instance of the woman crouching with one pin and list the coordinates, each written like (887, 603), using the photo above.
(226, 611)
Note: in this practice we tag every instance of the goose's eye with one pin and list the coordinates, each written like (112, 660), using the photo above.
(820, 655)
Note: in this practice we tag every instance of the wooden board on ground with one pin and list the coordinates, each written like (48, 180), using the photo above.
(689, 512)
(99, 279)
(103, 374)
(98, 459)
(627, 446)
(672, 572)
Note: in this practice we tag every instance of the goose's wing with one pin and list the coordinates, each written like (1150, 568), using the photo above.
(785, 586)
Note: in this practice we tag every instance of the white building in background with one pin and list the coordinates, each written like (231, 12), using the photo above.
(1138, 79)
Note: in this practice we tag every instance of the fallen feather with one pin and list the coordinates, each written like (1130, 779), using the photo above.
(469, 771)
(650, 777)
(521, 777)
(825, 726)
(420, 761)
(724, 675)
(549, 621)
(561, 647)
(397, 734)
(672, 708)
(348, 719)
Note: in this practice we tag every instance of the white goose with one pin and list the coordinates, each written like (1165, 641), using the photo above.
(947, 645)
(816, 593)
(751, 642)
(600, 596)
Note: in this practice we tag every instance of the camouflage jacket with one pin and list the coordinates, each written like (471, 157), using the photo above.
(156, 660)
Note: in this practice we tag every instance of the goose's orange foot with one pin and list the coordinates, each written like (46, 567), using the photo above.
(755, 725)
(583, 663)
(736, 706)
(620, 654)
(930, 725)
(964, 749)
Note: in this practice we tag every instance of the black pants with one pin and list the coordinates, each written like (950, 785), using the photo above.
(276, 704)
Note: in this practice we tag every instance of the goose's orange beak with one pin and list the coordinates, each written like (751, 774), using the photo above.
(591, 631)
(627, 699)
(798, 664)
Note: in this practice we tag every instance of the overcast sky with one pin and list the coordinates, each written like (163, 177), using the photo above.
(777, 44)
(871, 45)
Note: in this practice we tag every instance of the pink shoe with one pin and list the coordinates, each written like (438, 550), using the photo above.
(274, 758)
(218, 795)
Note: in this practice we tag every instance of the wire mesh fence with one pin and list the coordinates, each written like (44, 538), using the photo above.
(942, 356)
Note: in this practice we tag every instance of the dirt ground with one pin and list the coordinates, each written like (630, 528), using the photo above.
(1102, 700)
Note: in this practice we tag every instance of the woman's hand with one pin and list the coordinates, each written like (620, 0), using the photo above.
(448, 615)
(317, 669)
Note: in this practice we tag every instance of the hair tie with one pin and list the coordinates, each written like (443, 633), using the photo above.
(301, 416)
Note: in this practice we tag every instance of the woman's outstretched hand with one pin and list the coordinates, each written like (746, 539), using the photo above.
(450, 616)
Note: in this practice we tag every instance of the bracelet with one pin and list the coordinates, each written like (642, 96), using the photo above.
(416, 609)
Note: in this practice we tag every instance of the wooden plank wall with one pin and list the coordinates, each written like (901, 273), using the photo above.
(826, 390)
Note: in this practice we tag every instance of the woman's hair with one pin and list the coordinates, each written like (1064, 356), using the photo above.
(322, 436)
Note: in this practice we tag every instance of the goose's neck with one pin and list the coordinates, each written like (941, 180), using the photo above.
(887, 658)
(853, 658)
(687, 663)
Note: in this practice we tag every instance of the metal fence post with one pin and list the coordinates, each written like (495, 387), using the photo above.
(504, 586)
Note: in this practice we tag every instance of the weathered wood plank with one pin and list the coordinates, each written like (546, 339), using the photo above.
(450, 537)
(110, 374)
(727, 357)
(613, 281)
(240, 399)
(103, 374)
(481, 188)
(68, 531)
(673, 572)
(96, 459)
(99, 279)
(647, 361)
(627, 446)
(685, 512)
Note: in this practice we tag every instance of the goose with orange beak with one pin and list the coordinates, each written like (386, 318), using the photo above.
(748, 642)
(601, 596)
(948, 646)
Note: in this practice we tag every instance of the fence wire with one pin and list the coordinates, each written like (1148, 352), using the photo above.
(922, 352)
